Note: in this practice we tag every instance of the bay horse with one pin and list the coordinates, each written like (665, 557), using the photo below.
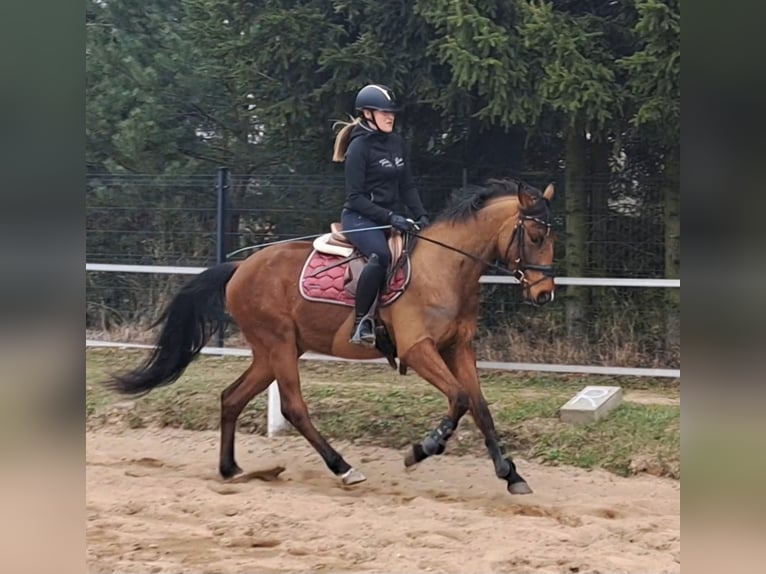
(432, 323)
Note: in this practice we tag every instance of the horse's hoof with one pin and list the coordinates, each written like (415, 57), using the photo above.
(230, 471)
(352, 476)
(414, 456)
(519, 488)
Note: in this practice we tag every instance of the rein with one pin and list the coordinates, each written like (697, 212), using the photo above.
(469, 255)
(519, 264)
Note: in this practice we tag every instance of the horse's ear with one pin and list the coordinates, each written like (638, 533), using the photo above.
(549, 192)
(526, 199)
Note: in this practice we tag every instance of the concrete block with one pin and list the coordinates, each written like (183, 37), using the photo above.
(591, 404)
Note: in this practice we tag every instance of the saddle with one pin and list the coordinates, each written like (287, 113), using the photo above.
(332, 269)
(335, 243)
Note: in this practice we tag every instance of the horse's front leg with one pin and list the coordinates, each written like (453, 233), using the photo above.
(462, 361)
(428, 363)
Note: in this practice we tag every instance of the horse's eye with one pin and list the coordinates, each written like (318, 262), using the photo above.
(538, 240)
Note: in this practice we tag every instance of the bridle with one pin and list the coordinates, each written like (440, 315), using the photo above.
(519, 265)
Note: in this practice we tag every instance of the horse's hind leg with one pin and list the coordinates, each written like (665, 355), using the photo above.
(233, 399)
(294, 409)
(428, 363)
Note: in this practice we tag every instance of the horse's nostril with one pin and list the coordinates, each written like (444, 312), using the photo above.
(543, 298)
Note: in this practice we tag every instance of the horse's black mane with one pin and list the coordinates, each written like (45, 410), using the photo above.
(466, 205)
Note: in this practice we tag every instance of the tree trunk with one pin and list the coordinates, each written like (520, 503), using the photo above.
(671, 200)
(575, 229)
(599, 208)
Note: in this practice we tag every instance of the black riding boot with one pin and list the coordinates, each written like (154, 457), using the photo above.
(367, 289)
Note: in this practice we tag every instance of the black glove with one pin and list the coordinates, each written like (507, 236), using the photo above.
(400, 222)
(423, 222)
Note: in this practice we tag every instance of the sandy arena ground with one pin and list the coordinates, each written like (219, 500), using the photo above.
(155, 503)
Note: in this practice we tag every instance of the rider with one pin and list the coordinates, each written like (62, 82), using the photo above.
(377, 175)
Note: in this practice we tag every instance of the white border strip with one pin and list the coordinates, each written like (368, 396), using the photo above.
(588, 281)
(143, 268)
(492, 365)
(594, 281)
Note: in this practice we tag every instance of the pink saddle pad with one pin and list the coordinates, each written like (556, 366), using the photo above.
(321, 282)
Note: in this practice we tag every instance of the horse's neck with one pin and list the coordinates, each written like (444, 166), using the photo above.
(477, 236)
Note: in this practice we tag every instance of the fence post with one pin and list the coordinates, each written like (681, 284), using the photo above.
(222, 186)
(275, 420)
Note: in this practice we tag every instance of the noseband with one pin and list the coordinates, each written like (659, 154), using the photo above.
(520, 264)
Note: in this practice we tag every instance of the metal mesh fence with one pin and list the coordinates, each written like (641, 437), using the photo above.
(149, 220)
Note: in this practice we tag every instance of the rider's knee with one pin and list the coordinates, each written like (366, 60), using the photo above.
(383, 259)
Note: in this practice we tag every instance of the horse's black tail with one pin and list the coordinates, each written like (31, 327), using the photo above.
(195, 313)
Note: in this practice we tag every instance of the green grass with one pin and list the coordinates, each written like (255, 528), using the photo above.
(372, 404)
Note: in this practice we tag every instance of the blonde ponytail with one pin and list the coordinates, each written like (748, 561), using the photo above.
(341, 140)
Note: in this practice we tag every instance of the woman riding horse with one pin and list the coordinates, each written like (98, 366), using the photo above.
(377, 175)
(433, 322)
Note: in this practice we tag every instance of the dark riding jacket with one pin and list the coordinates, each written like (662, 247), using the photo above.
(378, 175)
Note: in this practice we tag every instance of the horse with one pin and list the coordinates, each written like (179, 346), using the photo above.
(432, 323)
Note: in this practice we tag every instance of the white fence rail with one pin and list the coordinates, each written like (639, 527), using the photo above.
(275, 420)
(587, 281)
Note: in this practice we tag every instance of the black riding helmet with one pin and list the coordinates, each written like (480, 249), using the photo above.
(376, 97)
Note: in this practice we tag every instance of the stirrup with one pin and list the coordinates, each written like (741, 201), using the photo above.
(366, 339)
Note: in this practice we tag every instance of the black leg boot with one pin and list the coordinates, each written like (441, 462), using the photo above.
(366, 291)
